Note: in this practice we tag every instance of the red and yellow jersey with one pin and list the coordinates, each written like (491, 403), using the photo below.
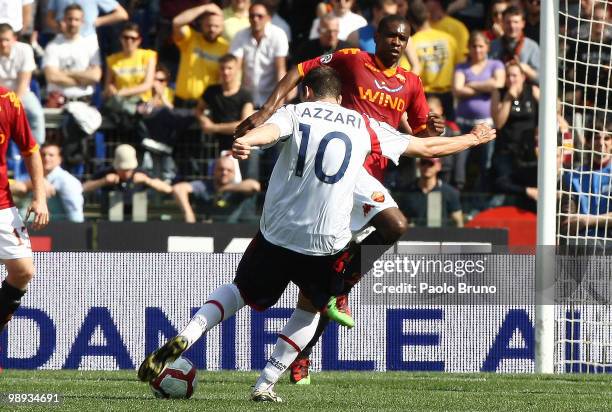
(381, 93)
(13, 126)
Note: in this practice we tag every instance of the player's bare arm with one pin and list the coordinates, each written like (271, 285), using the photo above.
(260, 136)
(38, 207)
(442, 146)
(282, 89)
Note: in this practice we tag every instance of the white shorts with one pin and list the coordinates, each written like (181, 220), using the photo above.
(14, 238)
(369, 199)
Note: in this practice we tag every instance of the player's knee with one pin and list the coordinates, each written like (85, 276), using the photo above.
(398, 227)
(305, 304)
(20, 274)
(392, 226)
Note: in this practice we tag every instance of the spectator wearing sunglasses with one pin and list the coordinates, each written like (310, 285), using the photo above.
(162, 95)
(262, 51)
(163, 128)
(130, 72)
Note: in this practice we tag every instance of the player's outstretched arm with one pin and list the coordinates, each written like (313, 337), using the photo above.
(443, 146)
(38, 206)
(260, 136)
(282, 89)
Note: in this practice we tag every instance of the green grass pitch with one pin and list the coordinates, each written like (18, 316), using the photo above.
(338, 391)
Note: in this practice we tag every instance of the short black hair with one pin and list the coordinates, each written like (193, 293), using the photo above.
(160, 67)
(513, 11)
(266, 4)
(393, 18)
(49, 144)
(445, 4)
(417, 13)
(4, 27)
(226, 58)
(324, 82)
(130, 26)
(380, 4)
(73, 6)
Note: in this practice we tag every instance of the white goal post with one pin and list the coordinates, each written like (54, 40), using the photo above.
(547, 186)
(574, 189)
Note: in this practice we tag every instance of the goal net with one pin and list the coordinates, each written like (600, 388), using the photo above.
(583, 327)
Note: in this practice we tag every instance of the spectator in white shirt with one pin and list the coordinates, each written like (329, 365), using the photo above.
(16, 66)
(71, 62)
(349, 21)
(64, 191)
(96, 13)
(262, 51)
(19, 18)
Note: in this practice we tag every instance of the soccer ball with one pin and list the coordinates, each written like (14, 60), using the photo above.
(177, 381)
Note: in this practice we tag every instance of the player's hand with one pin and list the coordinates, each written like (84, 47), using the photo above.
(435, 124)
(252, 122)
(241, 149)
(483, 133)
(41, 214)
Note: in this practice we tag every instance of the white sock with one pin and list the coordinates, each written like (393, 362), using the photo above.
(223, 303)
(293, 338)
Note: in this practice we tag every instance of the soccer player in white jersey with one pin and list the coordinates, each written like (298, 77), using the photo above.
(305, 223)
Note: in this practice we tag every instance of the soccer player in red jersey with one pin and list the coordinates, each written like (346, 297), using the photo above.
(375, 85)
(15, 248)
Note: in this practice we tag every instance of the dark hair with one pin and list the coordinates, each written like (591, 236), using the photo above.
(513, 11)
(417, 13)
(208, 14)
(226, 58)
(73, 6)
(266, 4)
(393, 18)
(380, 4)
(130, 26)
(445, 4)
(162, 68)
(49, 144)
(4, 27)
(324, 82)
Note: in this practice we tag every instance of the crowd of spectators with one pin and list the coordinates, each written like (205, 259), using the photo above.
(170, 75)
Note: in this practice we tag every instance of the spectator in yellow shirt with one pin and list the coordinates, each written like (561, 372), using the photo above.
(438, 54)
(440, 20)
(199, 52)
(235, 18)
(130, 72)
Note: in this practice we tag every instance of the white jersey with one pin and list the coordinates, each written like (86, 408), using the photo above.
(310, 195)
